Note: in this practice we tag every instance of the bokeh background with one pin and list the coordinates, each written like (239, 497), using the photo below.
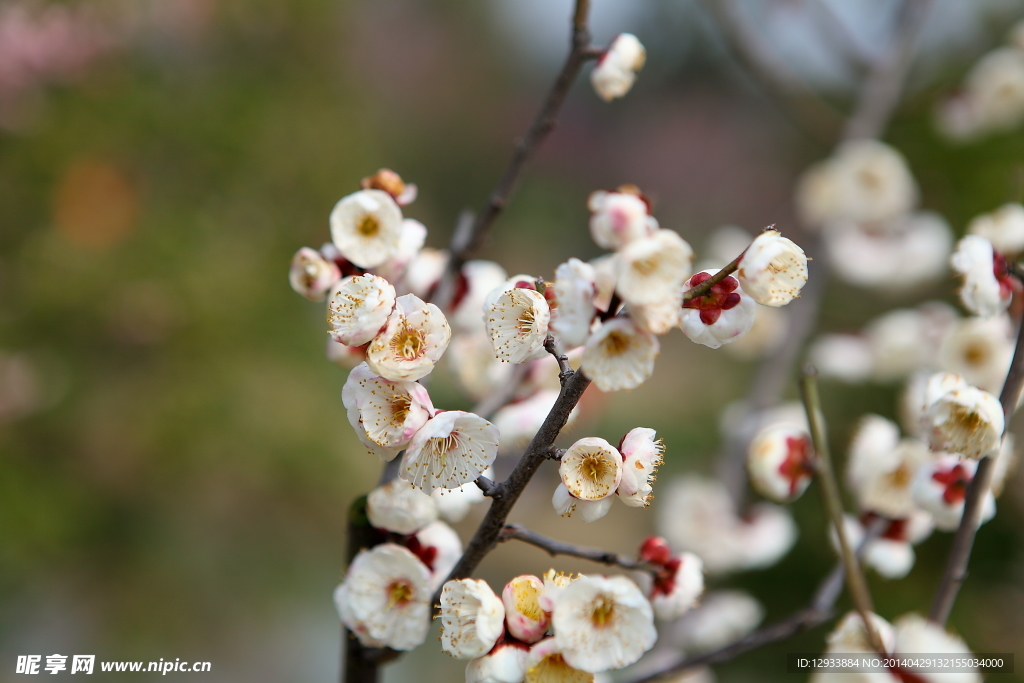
(175, 463)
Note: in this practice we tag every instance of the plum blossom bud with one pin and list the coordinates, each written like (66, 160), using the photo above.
(618, 218)
(722, 315)
(472, 618)
(397, 506)
(940, 488)
(524, 616)
(567, 505)
(366, 227)
(414, 338)
(780, 463)
(603, 623)
(311, 275)
(773, 269)
(641, 457)
(506, 663)
(965, 420)
(387, 180)
(439, 547)
(389, 412)
(676, 589)
(986, 289)
(359, 309)
(616, 68)
(452, 449)
(591, 469)
(517, 323)
(575, 287)
(385, 598)
(651, 269)
(619, 355)
(545, 664)
(344, 356)
(1004, 228)
(891, 555)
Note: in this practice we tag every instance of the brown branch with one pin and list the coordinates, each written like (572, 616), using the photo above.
(507, 493)
(960, 554)
(705, 287)
(884, 86)
(488, 487)
(553, 547)
(564, 369)
(469, 236)
(796, 99)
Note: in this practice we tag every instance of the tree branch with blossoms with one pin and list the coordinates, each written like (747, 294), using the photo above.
(517, 532)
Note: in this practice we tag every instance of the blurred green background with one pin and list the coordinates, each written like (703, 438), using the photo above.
(175, 463)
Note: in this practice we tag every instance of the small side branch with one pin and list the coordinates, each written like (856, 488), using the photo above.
(705, 287)
(553, 547)
(564, 370)
(489, 488)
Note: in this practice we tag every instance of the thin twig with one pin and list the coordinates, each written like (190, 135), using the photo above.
(837, 33)
(508, 492)
(468, 240)
(796, 99)
(705, 287)
(884, 85)
(552, 547)
(564, 369)
(855, 580)
(960, 554)
(488, 487)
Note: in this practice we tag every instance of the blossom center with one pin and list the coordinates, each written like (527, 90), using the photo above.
(963, 424)
(646, 266)
(553, 669)
(797, 464)
(399, 593)
(594, 467)
(526, 321)
(603, 612)
(368, 226)
(408, 343)
(400, 407)
(527, 602)
(975, 354)
(616, 343)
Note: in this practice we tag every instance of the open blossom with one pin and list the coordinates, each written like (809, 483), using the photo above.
(619, 355)
(545, 664)
(366, 227)
(843, 356)
(603, 623)
(986, 289)
(940, 488)
(385, 598)
(526, 618)
(410, 241)
(722, 315)
(641, 456)
(618, 218)
(915, 634)
(472, 618)
(311, 275)
(389, 412)
(881, 467)
(651, 269)
(892, 553)
(399, 507)
(980, 349)
(773, 269)
(905, 340)
(567, 505)
(780, 462)
(616, 68)
(659, 317)
(723, 617)
(591, 469)
(995, 90)
(575, 287)
(677, 590)
(424, 271)
(517, 323)
(439, 547)
(1004, 228)
(965, 420)
(849, 635)
(506, 663)
(452, 449)
(414, 338)
(359, 308)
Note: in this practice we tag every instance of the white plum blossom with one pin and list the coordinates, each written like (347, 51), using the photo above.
(773, 269)
(676, 594)
(616, 68)
(843, 356)
(591, 469)
(1004, 228)
(575, 287)
(892, 553)
(940, 488)
(385, 598)
(481, 278)
(399, 507)
(525, 618)
(905, 340)
(411, 240)
(652, 269)
(517, 323)
(604, 281)
(881, 467)
(995, 90)
(414, 338)
(618, 218)
(452, 449)
(722, 315)
(723, 617)
(915, 634)
(344, 356)
(518, 422)
(359, 308)
(964, 419)
(366, 227)
(659, 317)
(619, 355)
(979, 349)
(545, 664)
(982, 292)
(423, 272)
(780, 462)
(641, 456)
(602, 623)
(849, 635)
(390, 413)
(454, 504)
(506, 663)
(472, 618)
(441, 549)
(311, 275)
(567, 505)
